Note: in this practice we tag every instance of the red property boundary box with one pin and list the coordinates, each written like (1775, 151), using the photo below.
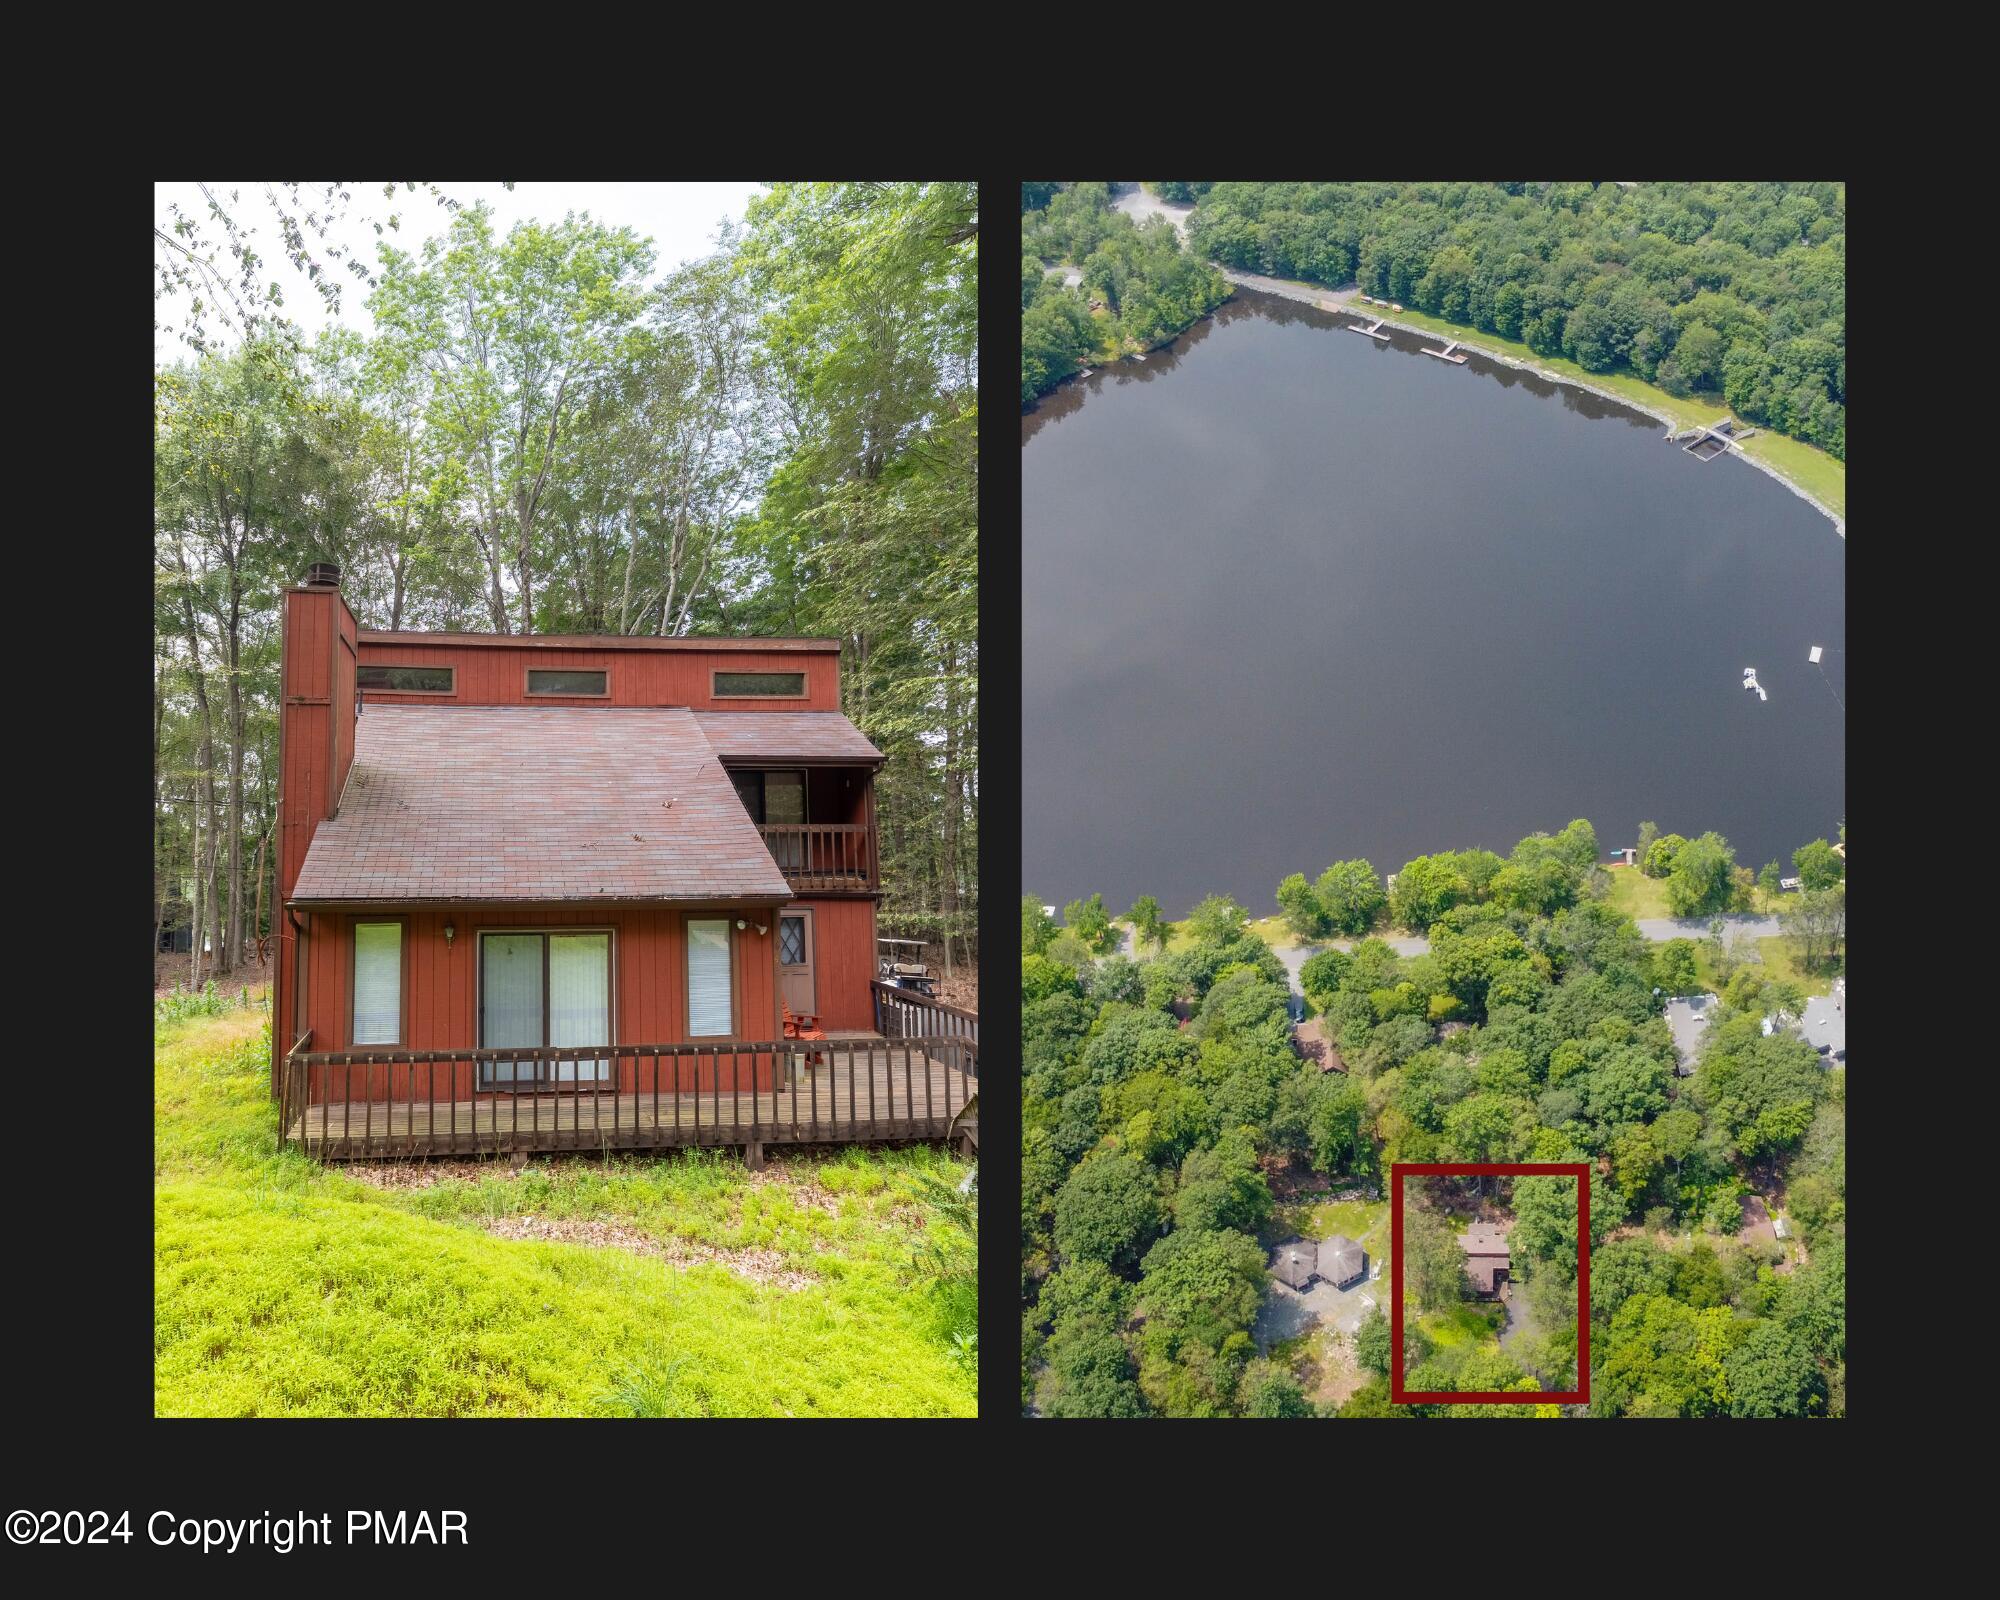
(1546, 1169)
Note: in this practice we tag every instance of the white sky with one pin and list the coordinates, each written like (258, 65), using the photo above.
(680, 218)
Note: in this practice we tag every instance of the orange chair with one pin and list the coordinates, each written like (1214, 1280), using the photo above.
(803, 1025)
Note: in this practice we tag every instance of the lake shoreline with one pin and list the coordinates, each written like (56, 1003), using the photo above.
(1317, 296)
(1470, 341)
(1141, 203)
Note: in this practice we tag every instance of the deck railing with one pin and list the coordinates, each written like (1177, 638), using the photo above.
(365, 1104)
(905, 1014)
(822, 855)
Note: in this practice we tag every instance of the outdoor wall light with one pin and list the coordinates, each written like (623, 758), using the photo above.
(741, 924)
(450, 933)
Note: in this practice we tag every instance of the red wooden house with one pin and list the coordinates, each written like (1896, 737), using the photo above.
(558, 892)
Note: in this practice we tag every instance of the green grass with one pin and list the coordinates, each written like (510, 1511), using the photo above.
(1781, 961)
(1811, 469)
(1357, 1219)
(284, 1289)
(1463, 1324)
(1635, 895)
(1271, 930)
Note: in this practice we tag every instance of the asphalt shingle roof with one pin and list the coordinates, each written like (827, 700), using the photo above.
(781, 735)
(520, 803)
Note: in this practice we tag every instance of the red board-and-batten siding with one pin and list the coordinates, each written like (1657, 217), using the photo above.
(441, 994)
(322, 645)
(497, 674)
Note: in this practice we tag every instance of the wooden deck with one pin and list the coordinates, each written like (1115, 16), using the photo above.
(862, 1091)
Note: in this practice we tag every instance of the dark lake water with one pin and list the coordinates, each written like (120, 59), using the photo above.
(1291, 596)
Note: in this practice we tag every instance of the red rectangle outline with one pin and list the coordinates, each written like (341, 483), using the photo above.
(1579, 1170)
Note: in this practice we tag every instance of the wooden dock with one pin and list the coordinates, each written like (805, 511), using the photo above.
(1374, 332)
(1446, 354)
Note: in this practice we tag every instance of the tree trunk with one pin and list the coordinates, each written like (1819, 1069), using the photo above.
(231, 950)
(257, 923)
(194, 909)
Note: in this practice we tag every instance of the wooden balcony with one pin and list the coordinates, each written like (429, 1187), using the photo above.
(822, 857)
(397, 1104)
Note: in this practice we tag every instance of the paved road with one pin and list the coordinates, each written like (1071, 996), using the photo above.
(1736, 930)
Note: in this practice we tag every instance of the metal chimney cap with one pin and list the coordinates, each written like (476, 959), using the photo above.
(323, 575)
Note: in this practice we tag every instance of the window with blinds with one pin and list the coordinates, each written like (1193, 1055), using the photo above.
(539, 989)
(711, 1010)
(378, 983)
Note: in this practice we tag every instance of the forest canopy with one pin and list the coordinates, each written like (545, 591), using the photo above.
(1139, 286)
(1169, 1122)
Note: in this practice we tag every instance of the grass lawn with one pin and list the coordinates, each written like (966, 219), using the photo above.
(1273, 932)
(1463, 1324)
(1781, 961)
(1635, 895)
(1813, 470)
(1357, 1219)
(281, 1288)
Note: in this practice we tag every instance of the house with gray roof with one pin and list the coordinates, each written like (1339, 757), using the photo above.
(1337, 1260)
(1824, 1025)
(1342, 1262)
(1297, 1263)
(1687, 1021)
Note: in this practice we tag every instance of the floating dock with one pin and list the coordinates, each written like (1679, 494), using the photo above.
(1373, 332)
(1446, 354)
(1750, 682)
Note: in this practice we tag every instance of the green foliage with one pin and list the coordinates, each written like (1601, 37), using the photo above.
(1374, 1342)
(1150, 288)
(1351, 895)
(1218, 920)
(1565, 1060)
(1305, 918)
(1772, 1374)
(1037, 926)
(1090, 1374)
(1657, 860)
(1090, 922)
(1758, 1090)
(1699, 883)
(1674, 968)
(1426, 889)
(1148, 926)
(1108, 1210)
(1274, 1393)
(1041, 977)
(1433, 1264)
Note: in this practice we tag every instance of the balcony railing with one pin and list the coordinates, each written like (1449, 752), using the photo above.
(905, 1014)
(823, 857)
(374, 1104)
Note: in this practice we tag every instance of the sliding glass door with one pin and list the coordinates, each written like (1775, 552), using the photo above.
(544, 989)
